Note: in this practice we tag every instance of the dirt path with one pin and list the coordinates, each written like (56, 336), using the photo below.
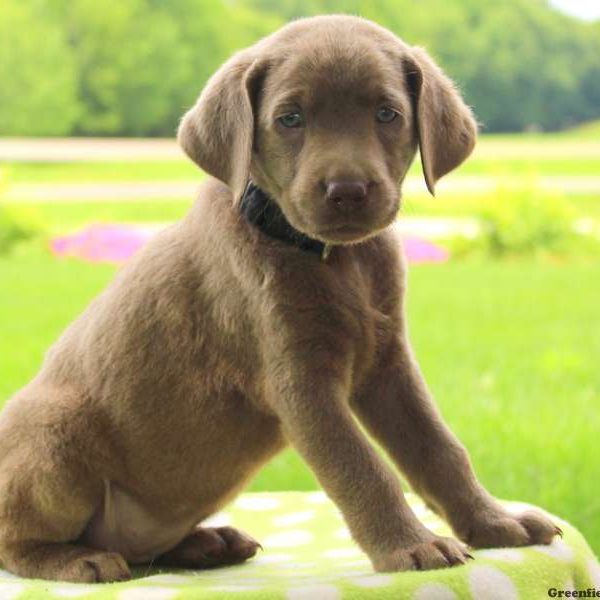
(89, 149)
(160, 190)
(121, 149)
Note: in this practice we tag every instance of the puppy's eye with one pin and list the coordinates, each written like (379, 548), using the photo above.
(385, 114)
(293, 119)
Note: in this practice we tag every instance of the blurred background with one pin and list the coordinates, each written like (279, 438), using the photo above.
(504, 297)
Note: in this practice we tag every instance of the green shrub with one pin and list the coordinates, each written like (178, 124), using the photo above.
(16, 224)
(38, 76)
(526, 221)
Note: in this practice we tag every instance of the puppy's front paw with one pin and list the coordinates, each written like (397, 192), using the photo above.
(498, 528)
(437, 553)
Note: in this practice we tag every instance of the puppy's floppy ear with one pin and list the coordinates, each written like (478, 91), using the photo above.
(217, 133)
(445, 125)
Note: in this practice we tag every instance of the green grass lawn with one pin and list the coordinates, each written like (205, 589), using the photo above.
(509, 349)
(68, 216)
(104, 171)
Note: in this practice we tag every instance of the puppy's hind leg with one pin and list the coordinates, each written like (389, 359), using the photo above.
(208, 547)
(39, 523)
(47, 496)
(65, 562)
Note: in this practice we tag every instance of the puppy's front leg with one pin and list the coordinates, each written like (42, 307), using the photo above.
(311, 402)
(397, 410)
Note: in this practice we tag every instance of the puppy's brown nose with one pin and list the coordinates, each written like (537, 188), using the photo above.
(346, 195)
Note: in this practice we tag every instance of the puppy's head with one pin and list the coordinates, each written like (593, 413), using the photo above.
(326, 115)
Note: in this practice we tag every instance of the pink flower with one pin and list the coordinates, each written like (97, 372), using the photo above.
(116, 243)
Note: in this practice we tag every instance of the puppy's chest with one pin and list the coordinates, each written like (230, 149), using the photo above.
(342, 318)
(366, 328)
(369, 337)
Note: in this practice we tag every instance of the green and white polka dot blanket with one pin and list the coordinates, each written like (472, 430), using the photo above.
(309, 555)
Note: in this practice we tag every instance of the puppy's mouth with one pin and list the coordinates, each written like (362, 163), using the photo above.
(345, 234)
(331, 228)
(353, 232)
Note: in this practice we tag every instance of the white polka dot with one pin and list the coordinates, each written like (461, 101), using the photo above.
(355, 573)
(231, 574)
(267, 559)
(219, 520)
(288, 539)
(148, 593)
(557, 549)
(294, 518)
(421, 511)
(302, 565)
(257, 503)
(594, 569)
(504, 554)
(8, 591)
(317, 498)
(71, 591)
(311, 592)
(434, 591)
(372, 581)
(218, 575)
(167, 578)
(302, 577)
(231, 578)
(516, 508)
(430, 518)
(256, 581)
(489, 583)
(306, 577)
(234, 588)
(341, 553)
(440, 528)
(357, 563)
(343, 534)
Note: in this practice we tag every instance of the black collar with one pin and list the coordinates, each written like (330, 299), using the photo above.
(264, 213)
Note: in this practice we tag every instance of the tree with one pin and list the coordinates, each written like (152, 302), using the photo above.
(141, 63)
(210, 32)
(130, 64)
(133, 67)
(38, 75)
(519, 63)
